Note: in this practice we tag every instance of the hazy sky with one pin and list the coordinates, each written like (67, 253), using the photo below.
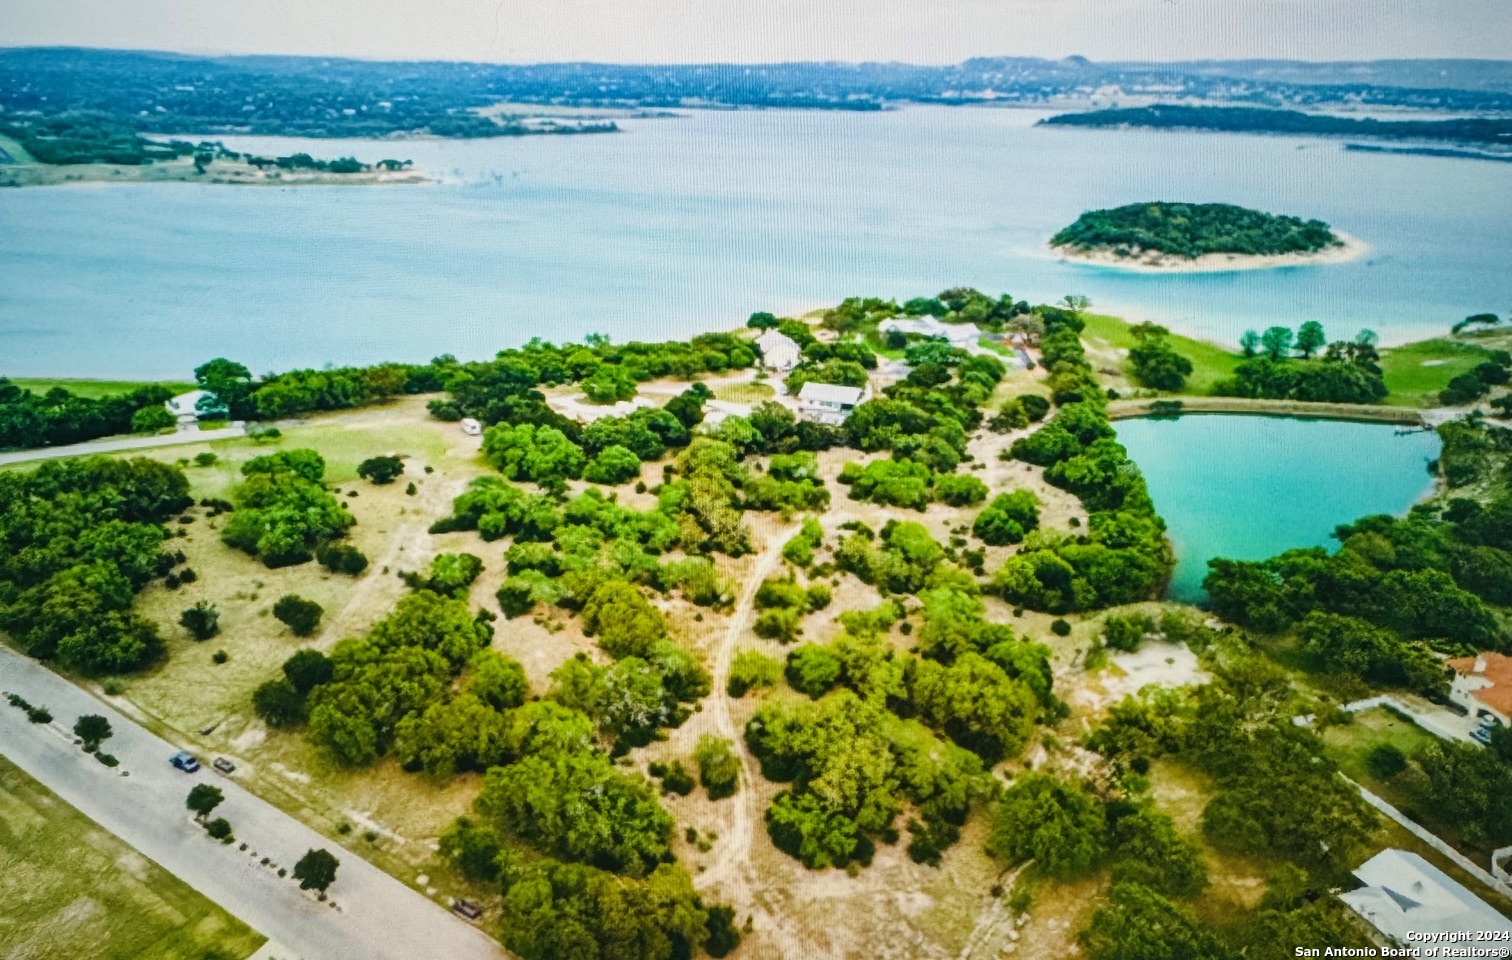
(666, 31)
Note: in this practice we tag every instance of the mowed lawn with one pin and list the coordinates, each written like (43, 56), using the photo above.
(69, 889)
(1210, 362)
(95, 389)
(1416, 372)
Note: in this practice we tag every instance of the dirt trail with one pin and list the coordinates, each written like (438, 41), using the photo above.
(733, 868)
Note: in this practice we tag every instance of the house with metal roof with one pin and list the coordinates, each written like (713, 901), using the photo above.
(778, 351)
(828, 403)
(1408, 899)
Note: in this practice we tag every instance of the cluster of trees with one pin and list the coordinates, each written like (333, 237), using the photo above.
(1191, 230)
(1470, 387)
(1277, 794)
(1397, 588)
(783, 604)
(955, 305)
(284, 512)
(503, 390)
(1153, 360)
(82, 537)
(60, 417)
(80, 136)
(908, 483)
(1348, 371)
(853, 764)
(1007, 519)
(969, 700)
(1123, 557)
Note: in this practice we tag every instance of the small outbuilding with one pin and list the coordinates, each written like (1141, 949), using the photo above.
(778, 351)
(828, 403)
(189, 407)
(1403, 893)
(962, 335)
(471, 427)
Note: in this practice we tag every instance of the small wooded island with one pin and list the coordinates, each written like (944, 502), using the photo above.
(1199, 236)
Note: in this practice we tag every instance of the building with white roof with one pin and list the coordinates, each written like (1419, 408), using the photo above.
(778, 351)
(963, 335)
(1405, 894)
(189, 407)
(828, 403)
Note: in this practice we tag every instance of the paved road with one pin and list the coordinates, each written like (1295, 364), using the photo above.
(122, 443)
(379, 917)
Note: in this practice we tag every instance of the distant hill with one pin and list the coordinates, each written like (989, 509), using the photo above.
(319, 96)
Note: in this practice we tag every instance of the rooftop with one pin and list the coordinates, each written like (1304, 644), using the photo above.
(1403, 892)
(1496, 668)
(815, 392)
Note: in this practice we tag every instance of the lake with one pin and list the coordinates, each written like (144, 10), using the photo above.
(1248, 488)
(681, 225)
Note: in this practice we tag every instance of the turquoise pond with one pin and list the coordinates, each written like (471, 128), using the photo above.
(1250, 487)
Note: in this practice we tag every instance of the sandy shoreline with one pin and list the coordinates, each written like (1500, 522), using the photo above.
(182, 171)
(1350, 248)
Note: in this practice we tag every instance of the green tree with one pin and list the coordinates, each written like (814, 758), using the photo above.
(220, 829)
(341, 558)
(614, 465)
(718, 767)
(1008, 518)
(316, 870)
(152, 419)
(93, 729)
(610, 383)
(201, 620)
(1249, 343)
(298, 614)
(1058, 825)
(1310, 338)
(202, 799)
(1136, 923)
(1277, 342)
(278, 704)
(380, 470)
(307, 669)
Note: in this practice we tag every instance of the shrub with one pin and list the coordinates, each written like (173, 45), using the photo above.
(298, 614)
(1126, 631)
(1007, 518)
(752, 668)
(152, 419)
(1060, 627)
(723, 937)
(1386, 760)
(205, 459)
(201, 620)
(220, 656)
(307, 669)
(676, 779)
(380, 470)
(278, 704)
(614, 465)
(959, 490)
(93, 729)
(107, 759)
(39, 715)
(782, 624)
(812, 669)
(718, 767)
(341, 558)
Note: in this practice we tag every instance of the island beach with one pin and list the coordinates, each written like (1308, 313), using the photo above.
(1154, 261)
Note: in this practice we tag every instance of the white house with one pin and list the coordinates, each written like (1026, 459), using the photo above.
(963, 335)
(189, 407)
(1482, 684)
(778, 352)
(1403, 892)
(828, 403)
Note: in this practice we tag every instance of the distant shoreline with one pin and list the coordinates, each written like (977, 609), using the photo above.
(1155, 261)
(219, 173)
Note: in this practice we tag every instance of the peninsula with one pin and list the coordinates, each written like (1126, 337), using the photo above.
(1196, 237)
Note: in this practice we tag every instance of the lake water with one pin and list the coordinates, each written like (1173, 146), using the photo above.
(688, 224)
(1248, 488)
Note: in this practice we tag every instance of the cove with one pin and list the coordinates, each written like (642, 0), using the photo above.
(1250, 487)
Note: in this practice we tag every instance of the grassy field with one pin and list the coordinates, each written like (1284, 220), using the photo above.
(1416, 372)
(94, 389)
(70, 889)
(1210, 362)
(1350, 745)
(744, 392)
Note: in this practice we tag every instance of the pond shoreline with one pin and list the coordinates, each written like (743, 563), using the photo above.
(1361, 413)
